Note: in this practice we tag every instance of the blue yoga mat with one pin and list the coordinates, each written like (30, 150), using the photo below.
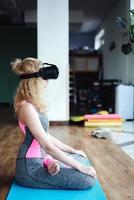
(18, 192)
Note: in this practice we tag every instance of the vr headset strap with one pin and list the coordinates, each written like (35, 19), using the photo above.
(26, 76)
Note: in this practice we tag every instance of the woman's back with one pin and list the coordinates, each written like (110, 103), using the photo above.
(31, 147)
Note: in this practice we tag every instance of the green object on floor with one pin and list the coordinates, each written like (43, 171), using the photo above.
(77, 118)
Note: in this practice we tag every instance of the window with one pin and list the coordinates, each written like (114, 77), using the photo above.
(99, 41)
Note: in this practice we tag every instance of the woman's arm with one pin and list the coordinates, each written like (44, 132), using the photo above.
(65, 147)
(30, 117)
(61, 145)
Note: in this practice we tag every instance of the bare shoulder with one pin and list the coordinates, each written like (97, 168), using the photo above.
(27, 110)
(26, 107)
(30, 117)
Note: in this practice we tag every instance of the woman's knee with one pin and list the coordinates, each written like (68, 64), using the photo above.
(87, 182)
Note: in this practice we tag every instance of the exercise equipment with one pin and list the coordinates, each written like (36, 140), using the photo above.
(18, 192)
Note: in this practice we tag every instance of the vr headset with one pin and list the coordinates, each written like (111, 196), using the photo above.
(50, 72)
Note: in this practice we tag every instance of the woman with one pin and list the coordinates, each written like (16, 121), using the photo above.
(64, 169)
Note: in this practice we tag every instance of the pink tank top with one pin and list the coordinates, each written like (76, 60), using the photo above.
(34, 150)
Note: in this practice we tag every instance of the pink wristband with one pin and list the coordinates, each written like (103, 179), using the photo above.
(47, 160)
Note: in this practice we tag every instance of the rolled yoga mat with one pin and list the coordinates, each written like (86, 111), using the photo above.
(18, 192)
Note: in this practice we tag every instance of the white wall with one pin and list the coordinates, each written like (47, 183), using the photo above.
(130, 58)
(115, 62)
(132, 4)
(52, 23)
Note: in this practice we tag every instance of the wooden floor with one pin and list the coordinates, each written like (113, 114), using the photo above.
(114, 168)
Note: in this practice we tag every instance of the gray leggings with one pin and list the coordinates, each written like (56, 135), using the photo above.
(31, 173)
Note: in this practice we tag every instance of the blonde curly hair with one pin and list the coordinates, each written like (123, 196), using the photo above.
(30, 90)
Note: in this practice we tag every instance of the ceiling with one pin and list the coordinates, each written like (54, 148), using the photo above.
(84, 15)
(18, 12)
(87, 15)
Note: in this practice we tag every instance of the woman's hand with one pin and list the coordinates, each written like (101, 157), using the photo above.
(53, 167)
(89, 170)
(51, 164)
